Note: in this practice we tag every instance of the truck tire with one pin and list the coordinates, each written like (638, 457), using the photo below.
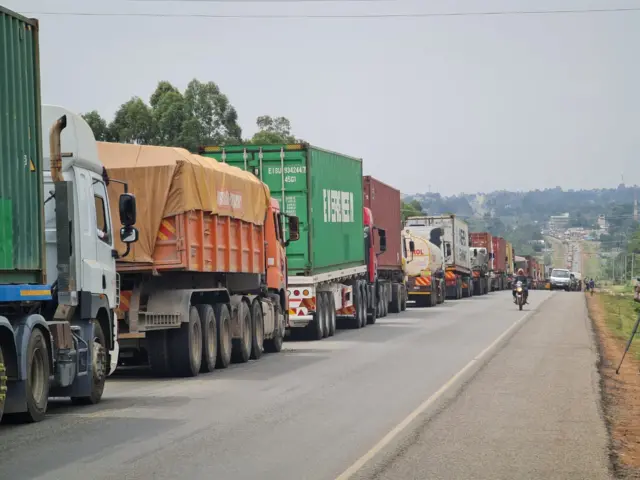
(403, 298)
(433, 298)
(241, 347)
(185, 346)
(385, 304)
(158, 352)
(209, 338)
(356, 322)
(326, 319)
(365, 302)
(372, 315)
(257, 332)
(3, 383)
(225, 344)
(99, 367)
(37, 381)
(274, 344)
(396, 301)
(315, 329)
(332, 314)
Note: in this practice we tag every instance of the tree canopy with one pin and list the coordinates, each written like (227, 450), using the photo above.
(201, 115)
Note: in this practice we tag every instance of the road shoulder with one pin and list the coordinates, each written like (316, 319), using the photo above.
(532, 412)
(613, 317)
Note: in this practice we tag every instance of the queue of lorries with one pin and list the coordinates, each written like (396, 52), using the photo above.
(205, 259)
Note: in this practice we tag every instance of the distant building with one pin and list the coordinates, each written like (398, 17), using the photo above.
(602, 223)
(559, 222)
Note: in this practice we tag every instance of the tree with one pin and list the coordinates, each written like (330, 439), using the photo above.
(98, 125)
(173, 123)
(411, 209)
(202, 115)
(273, 130)
(216, 121)
(133, 123)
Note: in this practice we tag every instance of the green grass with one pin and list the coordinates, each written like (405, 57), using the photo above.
(620, 315)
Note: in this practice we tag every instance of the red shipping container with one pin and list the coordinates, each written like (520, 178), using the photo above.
(481, 240)
(499, 254)
(384, 202)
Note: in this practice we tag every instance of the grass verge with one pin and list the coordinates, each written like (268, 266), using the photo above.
(613, 318)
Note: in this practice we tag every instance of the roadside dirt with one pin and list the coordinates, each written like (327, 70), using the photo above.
(621, 395)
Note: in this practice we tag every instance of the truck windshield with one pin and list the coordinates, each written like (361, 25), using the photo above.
(560, 274)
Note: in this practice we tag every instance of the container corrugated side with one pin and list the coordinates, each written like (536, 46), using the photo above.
(337, 228)
(323, 189)
(21, 181)
(499, 253)
(384, 202)
(265, 162)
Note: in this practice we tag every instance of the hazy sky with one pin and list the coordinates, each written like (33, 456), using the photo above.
(465, 103)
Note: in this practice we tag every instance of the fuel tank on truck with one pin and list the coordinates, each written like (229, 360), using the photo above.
(452, 236)
(427, 257)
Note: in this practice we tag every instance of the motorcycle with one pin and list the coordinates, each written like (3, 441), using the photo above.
(519, 295)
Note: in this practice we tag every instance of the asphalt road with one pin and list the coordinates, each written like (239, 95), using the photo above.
(309, 412)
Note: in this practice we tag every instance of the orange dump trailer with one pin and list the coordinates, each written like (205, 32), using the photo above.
(205, 284)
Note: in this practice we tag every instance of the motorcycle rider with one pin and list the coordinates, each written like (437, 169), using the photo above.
(520, 277)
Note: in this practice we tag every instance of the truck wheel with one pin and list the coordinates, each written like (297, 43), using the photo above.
(373, 315)
(403, 298)
(209, 337)
(365, 303)
(241, 347)
(433, 298)
(315, 329)
(327, 315)
(3, 383)
(332, 314)
(37, 382)
(158, 352)
(274, 345)
(223, 322)
(385, 304)
(185, 346)
(357, 304)
(395, 298)
(257, 337)
(99, 367)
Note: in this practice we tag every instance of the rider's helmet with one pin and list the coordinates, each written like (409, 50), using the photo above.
(520, 271)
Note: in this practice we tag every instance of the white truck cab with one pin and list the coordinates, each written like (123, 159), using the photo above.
(89, 272)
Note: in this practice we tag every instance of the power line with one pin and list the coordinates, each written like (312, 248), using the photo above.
(337, 16)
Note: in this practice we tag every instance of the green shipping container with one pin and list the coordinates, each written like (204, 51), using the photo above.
(322, 188)
(21, 204)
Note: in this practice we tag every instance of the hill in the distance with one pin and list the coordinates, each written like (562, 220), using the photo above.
(536, 206)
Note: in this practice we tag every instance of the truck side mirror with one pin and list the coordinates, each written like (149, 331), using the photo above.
(127, 206)
(475, 252)
(129, 235)
(448, 249)
(294, 229)
(383, 240)
(412, 246)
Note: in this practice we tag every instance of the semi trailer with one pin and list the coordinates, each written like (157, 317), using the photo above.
(385, 204)
(333, 273)
(481, 256)
(451, 235)
(206, 285)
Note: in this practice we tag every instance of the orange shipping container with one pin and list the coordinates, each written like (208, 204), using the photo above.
(194, 213)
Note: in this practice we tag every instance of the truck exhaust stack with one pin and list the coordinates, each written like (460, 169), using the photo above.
(55, 148)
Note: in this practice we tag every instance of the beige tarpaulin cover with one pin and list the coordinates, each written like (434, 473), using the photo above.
(167, 181)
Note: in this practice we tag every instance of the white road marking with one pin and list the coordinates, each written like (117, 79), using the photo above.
(388, 438)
